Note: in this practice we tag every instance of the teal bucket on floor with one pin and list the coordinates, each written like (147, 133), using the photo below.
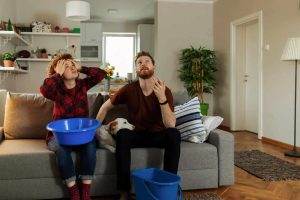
(155, 184)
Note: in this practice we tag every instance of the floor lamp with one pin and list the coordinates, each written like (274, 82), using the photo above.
(292, 52)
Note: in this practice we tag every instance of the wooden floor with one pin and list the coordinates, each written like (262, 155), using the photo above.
(249, 187)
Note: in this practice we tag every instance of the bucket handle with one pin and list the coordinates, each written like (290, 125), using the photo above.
(179, 192)
(149, 191)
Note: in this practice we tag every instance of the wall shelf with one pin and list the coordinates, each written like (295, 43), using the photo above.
(11, 36)
(13, 70)
(46, 60)
(34, 59)
(51, 34)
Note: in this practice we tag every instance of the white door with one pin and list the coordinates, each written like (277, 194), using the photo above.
(251, 76)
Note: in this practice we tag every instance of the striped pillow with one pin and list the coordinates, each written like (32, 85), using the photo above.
(189, 123)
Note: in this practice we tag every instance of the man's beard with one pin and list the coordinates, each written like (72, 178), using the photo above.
(145, 74)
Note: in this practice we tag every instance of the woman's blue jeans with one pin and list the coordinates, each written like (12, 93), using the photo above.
(87, 154)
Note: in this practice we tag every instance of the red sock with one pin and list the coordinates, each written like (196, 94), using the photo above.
(85, 191)
(74, 192)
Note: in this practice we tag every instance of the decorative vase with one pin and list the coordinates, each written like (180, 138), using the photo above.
(106, 85)
(204, 108)
(8, 63)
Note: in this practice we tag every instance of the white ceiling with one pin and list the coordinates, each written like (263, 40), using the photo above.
(128, 10)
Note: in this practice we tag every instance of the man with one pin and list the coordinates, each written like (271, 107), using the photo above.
(150, 107)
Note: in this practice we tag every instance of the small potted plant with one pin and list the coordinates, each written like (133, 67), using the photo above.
(44, 53)
(8, 59)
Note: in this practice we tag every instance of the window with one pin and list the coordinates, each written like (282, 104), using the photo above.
(119, 51)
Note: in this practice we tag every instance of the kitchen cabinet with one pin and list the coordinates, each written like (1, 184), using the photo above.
(91, 33)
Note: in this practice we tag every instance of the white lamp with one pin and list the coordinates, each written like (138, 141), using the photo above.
(78, 10)
(292, 52)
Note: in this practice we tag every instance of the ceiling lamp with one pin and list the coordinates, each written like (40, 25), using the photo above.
(78, 10)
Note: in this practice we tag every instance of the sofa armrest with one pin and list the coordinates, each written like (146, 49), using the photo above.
(224, 141)
(1, 134)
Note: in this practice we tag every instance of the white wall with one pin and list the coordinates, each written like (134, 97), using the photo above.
(281, 20)
(145, 38)
(7, 10)
(123, 27)
(46, 11)
(177, 26)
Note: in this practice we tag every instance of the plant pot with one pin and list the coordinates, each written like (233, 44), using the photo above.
(39, 55)
(106, 85)
(44, 55)
(204, 108)
(8, 63)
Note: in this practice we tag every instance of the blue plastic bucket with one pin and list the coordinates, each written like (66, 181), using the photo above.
(74, 131)
(155, 184)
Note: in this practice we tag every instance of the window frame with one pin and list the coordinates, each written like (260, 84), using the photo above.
(119, 34)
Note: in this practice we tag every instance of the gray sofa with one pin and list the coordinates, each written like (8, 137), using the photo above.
(28, 170)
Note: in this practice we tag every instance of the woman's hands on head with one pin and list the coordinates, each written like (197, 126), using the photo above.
(63, 64)
(60, 67)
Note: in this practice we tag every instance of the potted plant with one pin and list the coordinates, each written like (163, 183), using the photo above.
(197, 72)
(8, 59)
(9, 25)
(40, 53)
(44, 53)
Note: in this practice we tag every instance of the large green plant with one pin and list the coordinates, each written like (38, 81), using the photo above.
(197, 70)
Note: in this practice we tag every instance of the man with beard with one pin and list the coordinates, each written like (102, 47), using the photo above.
(150, 107)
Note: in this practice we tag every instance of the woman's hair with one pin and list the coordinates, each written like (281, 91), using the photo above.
(53, 62)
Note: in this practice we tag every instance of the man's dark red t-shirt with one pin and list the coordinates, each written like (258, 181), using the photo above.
(144, 111)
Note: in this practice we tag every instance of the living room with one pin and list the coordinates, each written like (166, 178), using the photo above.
(253, 92)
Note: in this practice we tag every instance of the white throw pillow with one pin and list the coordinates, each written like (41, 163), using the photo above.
(189, 123)
(211, 122)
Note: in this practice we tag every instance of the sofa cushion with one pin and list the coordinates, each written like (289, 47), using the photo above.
(26, 115)
(180, 97)
(92, 103)
(193, 157)
(95, 102)
(27, 158)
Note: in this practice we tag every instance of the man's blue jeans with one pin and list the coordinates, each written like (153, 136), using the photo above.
(87, 153)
